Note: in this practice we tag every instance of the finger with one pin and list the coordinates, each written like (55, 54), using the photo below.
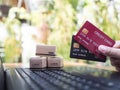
(109, 51)
(114, 59)
(117, 44)
(115, 62)
(118, 68)
(112, 63)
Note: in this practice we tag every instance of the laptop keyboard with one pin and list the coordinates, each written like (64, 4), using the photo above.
(62, 80)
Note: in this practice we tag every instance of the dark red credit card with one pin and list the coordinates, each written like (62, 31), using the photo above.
(80, 52)
(91, 37)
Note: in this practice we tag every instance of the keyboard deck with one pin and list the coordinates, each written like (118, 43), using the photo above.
(62, 80)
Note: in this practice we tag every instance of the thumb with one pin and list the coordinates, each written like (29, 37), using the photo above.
(109, 51)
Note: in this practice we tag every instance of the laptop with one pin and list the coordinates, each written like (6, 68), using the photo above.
(2, 76)
(66, 78)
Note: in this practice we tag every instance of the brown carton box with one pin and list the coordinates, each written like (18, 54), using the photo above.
(38, 62)
(45, 50)
(54, 62)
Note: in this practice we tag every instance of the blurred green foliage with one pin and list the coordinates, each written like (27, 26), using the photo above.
(12, 43)
(63, 24)
(107, 18)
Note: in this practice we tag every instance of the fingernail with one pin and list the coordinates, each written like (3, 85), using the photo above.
(102, 49)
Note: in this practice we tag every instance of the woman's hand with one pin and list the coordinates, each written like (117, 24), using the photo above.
(113, 53)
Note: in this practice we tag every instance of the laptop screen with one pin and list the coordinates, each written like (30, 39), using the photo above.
(1, 75)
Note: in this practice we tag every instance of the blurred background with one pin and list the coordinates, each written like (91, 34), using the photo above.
(25, 23)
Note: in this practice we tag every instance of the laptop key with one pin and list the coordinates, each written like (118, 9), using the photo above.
(28, 80)
(39, 81)
(55, 81)
(69, 81)
(62, 80)
(92, 81)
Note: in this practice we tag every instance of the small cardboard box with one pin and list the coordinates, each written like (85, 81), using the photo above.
(45, 50)
(54, 62)
(38, 62)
